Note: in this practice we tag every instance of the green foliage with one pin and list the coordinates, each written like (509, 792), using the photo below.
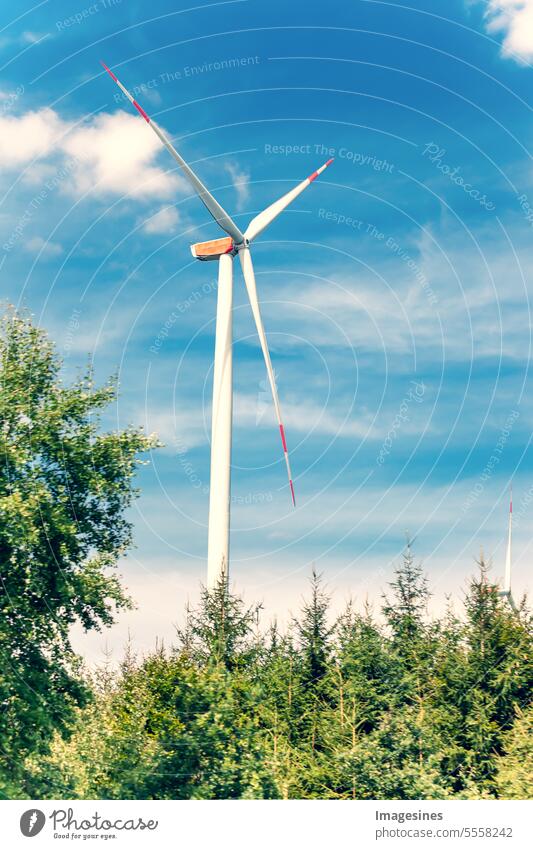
(514, 770)
(64, 487)
(178, 726)
(314, 635)
(333, 709)
(364, 668)
(405, 612)
(492, 676)
(400, 759)
(220, 630)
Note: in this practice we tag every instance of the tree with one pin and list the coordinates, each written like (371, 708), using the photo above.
(108, 753)
(405, 612)
(281, 705)
(364, 671)
(220, 630)
(64, 489)
(514, 774)
(209, 731)
(497, 678)
(314, 634)
(414, 640)
(163, 728)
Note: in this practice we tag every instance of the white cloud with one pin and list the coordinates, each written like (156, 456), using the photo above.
(163, 221)
(25, 137)
(110, 154)
(38, 245)
(241, 183)
(515, 19)
(117, 154)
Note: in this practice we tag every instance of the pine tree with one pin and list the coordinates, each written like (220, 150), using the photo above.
(314, 635)
(400, 759)
(282, 703)
(312, 690)
(221, 629)
(364, 670)
(109, 754)
(414, 641)
(359, 683)
(406, 611)
(498, 679)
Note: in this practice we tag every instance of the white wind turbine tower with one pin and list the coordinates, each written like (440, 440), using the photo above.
(224, 250)
(506, 592)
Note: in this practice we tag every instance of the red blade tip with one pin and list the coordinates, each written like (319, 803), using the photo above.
(109, 71)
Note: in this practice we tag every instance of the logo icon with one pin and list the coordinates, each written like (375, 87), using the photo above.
(32, 822)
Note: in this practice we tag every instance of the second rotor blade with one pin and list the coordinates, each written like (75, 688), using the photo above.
(251, 288)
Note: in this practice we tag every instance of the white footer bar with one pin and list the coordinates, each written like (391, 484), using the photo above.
(272, 824)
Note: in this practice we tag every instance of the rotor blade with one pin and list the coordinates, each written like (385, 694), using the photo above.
(258, 224)
(249, 279)
(219, 214)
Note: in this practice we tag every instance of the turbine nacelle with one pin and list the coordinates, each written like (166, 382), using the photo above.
(214, 249)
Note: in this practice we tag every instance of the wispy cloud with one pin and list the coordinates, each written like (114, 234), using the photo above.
(29, 37)
(477, 290)
(163, 221)
(179, 430)
(241, 183)
(306, 417)
(46, 249)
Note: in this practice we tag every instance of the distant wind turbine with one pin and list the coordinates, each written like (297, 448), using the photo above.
(506, 592)
(224, 250)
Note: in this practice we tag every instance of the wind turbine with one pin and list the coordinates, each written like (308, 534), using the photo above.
(224, 250)
(506, 592)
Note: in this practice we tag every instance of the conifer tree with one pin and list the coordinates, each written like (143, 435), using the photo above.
(364, 670)
(406, 610)
(314, 635)
(221, 629)
(413, 639)
(498, 676)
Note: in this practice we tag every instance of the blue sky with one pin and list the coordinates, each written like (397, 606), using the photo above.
(395, 291)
